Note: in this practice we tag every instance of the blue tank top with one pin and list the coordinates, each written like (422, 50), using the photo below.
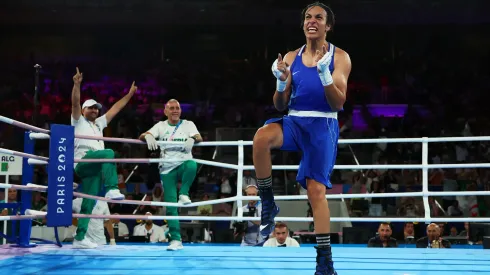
(307, 89)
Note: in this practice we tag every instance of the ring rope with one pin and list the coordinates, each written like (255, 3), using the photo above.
(40, 159)
(235, 143)
(281, 167)
(236, 218)
(22, 154)
(23, 125)
(41, 188)
(21, 217)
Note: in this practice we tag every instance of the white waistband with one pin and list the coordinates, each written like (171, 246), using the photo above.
(313, 114)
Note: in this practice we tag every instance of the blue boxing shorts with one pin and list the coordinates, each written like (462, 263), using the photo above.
(316, 138)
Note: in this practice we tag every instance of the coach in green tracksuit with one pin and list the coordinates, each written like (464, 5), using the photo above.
(93, 176)
(184, 170)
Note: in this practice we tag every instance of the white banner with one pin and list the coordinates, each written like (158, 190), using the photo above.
(10, 165)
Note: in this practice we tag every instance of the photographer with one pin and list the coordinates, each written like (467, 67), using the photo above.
(249, 230)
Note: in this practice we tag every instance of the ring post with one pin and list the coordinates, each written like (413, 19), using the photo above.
(60, 175)
(26, 196)
(239, 183)
(425, 178)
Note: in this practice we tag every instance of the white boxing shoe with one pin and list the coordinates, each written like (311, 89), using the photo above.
(84, 244)
(175, 245)
(184, 199)
(114, 194)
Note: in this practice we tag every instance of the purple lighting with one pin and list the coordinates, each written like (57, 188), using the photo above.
(378, 110)
(395, 110)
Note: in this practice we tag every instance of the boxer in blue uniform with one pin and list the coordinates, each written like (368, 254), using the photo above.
(312, 84)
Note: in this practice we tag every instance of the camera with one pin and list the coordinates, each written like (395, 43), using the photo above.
(242, 226)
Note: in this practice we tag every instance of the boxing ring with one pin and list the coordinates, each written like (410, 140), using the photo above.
(25, 257)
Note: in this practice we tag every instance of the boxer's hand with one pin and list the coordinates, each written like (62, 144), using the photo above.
(113, 242)
(5, 212)
(281, 72)
(78, 77)
(280, 69)
(151, 142)
(323, 59)
(189, 143)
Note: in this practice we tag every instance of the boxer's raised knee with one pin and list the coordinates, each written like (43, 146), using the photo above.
(268, 137)
(316, 192)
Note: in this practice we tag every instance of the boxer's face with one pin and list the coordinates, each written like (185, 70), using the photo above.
(172, 111)
(315, 23)
(90, 113)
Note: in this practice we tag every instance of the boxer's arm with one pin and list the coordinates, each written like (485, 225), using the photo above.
(281, 99)
(336, 93)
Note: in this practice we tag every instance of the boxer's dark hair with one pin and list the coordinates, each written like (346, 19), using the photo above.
(328, 10)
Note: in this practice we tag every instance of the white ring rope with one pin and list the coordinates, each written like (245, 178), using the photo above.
(44, 134)
(21, 154)
(40, 188)
(21, 217)
(39, 160)
(236, 218)
(274, 167)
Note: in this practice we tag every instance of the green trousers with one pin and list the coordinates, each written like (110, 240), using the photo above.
(186, 172)
(93, 175)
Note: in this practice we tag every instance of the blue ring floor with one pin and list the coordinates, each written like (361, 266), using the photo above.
(232, 259)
